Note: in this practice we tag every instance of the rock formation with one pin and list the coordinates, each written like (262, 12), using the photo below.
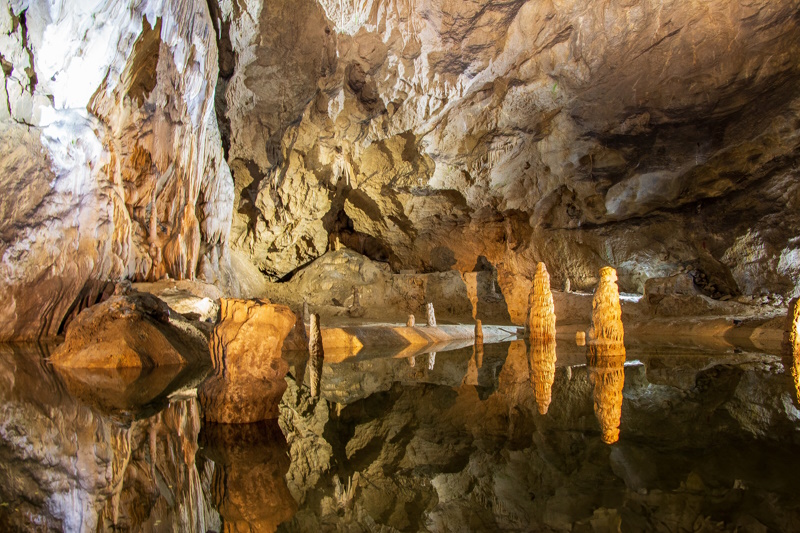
(411, 322)
(478, 332)
(542, 364)
(315, 357)
(791, 343)
(431, 315)
(131, 331)
(606, 355)
(541, 311)
(248, 379)
(250, 464)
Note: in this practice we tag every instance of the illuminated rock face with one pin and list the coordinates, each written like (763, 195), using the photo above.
(542, 315)
(246, 345)
(542, 363)
(606, 355)
(111, 164)
(130, 331)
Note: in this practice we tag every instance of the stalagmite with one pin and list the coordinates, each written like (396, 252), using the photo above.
(479, 355)
(580, 338)
(431, 315)
(791, 341)
(306, 314)
(541, 313)
(411, 321)
(246, 345)
(315, 356)
(606, 355)
(542, 363)
(478, 332)
(431, 360)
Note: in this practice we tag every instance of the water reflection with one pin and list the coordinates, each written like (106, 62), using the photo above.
(460, 446)
(250, 464)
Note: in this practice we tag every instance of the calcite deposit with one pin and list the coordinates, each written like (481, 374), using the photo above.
(542, 365)
(248, 379)
(541, 310)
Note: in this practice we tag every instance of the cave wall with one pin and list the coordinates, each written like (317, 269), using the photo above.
(110, 156)
(172, 138)
(652, 136)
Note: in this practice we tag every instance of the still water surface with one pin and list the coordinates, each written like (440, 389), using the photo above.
(508, 438)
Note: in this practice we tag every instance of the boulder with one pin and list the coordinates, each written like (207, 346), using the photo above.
(246, 345)
(131, 330)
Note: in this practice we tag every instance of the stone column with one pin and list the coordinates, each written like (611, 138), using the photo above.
(478, 332)
(316, 357)
(411, 321)
(541, 314)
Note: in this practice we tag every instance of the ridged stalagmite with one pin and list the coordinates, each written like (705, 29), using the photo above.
(791, 341)
(431, 315)
(542, 362)
(606, 355)
(315, 356)
(541, 311)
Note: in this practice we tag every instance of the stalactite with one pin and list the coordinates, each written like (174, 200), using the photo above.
(541, 313)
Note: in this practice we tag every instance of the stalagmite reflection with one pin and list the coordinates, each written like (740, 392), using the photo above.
(249, 487)
(606, 355)
(316, 356)
(542, 363)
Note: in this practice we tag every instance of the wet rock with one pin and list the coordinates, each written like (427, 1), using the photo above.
(134, 330)
(248, 379)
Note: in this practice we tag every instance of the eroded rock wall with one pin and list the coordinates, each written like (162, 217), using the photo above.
(110, 155)
(647, 135)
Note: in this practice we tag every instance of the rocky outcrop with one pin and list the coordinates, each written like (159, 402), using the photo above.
(110, 155)
(131, 331)
(246, 346)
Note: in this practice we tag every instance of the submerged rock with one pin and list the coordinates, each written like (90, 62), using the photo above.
(133, 330)
(246, 346)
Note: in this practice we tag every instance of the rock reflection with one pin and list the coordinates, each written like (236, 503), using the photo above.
(791, 344)
(542, 363)
(250, 464)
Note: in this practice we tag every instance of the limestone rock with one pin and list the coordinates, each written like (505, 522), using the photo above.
(541, 314)
(134, 330)
(248, 379)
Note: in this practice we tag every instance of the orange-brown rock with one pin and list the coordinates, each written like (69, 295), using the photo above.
(542, 364)
(791, 343)
(246, 345)
(541, 310)
(130, 331)
(250, 464)
(316, 356)
(605, 366)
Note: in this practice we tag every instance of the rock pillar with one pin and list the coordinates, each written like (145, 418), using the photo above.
(315, 356)
(541, 314)
(431, 315)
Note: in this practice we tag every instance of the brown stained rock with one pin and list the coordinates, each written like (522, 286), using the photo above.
(542, 364)
(541, 314)
(250, 464)
(130, 331)
(246, 345)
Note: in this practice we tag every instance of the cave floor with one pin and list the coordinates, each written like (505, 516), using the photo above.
(507, 437)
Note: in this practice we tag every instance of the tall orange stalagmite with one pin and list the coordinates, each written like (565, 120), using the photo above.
(541, 310)
(606, 355)
(791, 343)
(542, 363)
